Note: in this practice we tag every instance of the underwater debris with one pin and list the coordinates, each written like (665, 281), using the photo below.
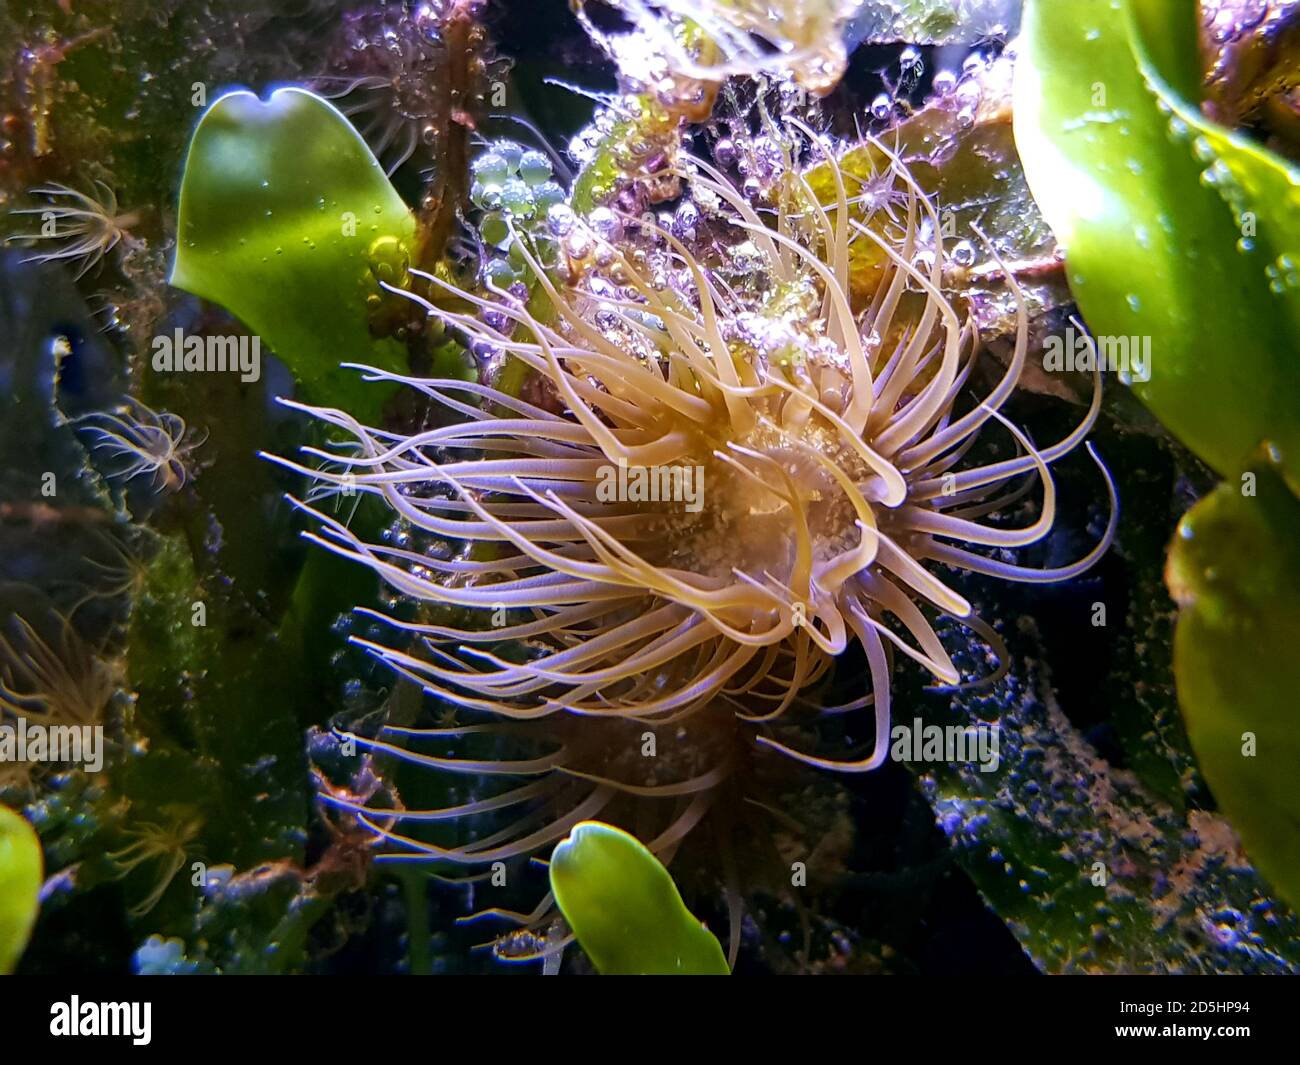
(82, 228)
(136, 441)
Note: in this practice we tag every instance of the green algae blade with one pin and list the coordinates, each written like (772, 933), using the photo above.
(287, 219)
(1235, 569)
(21, 866)
(1151, 205)
(625, 909)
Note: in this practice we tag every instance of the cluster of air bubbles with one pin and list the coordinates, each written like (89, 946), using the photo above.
(623, 152)
(955, 89)
(1218, 175)
(776, 339)
(508, 179)
(1228, 21)
(1283, 274)
(1216, 172)
(513, 188)
(760, 160)
(587, 142)
(605, 224)
(960, 91)
(583, 240)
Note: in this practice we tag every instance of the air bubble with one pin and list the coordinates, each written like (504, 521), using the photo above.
(491, 169)
(578, 244)
(499, 273)
(511, 153)
(547, 195)
(494, 229)
(534, 167)
(517, 198)
(963, 253)
(486, 196)
(560, 219)
(605, 223)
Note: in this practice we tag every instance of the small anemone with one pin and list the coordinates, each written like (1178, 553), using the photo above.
(118, 570)
(136, 441)
(163, 844)
(64, 684)
(80, 228)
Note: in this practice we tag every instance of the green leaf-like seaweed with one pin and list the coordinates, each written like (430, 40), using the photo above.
(1235, 568)
(625, 909)
(1151, 205)
(287, 219)
(20, 884)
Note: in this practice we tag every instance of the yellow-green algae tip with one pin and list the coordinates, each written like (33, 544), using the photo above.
(625, 909)
(21, 873)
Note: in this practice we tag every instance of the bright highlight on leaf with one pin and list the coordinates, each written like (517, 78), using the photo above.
(287, 219)
(21, 872)
(625, 909)
(1175, 229)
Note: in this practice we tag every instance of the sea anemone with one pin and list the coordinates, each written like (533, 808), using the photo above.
(65, 684)
(724, 476)
(81, 228)
(54, 683)
(163, 844)
(137, 441)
